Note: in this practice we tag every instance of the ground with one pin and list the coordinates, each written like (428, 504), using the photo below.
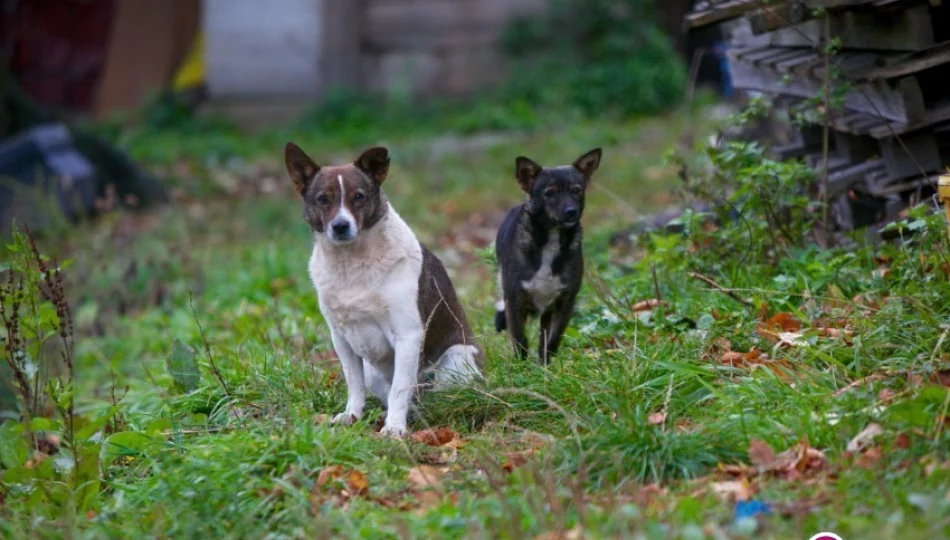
(671, 418)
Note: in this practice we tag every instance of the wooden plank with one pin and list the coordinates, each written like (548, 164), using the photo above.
(722, 12)
(914, 151)
(906, 30)
(929, 58)
(937, 115)
(843, 179)
(772, 18)
(900, 104)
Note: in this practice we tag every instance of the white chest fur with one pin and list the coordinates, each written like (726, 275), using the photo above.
(544, 287)
(368, 289)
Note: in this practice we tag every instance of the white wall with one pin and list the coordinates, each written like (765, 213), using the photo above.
(263, 47)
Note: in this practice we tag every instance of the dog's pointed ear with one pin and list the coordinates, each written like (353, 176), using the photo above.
(526, 171)
(302, 169)
(375, 163)
(588, 163)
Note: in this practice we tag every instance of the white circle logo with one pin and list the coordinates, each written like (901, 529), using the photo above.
(825, 536)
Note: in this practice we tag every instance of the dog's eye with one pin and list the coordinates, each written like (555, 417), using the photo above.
(322, 199)
(550, 192)
(358, 197)
(576, 189)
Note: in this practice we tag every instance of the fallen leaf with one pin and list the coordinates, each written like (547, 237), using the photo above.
(656, 418)
(864, 439)
(902, 441)
(886, 395)
(356, 482)
(425, 475)
(426, 500)
(646, 305)
(733, 358)
(869, 459)
(321, 418)
(785, 322)
(435, 436)
(577, 533)
(732, 490)
(329, 473)
(515, 459)
(760, 453)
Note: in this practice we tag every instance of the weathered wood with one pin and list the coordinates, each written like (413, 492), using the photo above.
(909, 29)
(913, 63)
(914, 155)
(722, 12)
(842, 180)
(900, 104)
(772, 18)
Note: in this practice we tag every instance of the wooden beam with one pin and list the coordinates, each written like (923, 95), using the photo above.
(929, 58)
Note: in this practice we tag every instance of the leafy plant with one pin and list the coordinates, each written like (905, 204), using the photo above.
(601, 57)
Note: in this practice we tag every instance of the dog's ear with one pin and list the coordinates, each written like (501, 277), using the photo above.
(588, 163)
(375, 163)
(526, 171)
(302, 169)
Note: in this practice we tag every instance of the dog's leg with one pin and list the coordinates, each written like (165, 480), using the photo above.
(515, 314)
(405, 377)
(355, 385)
(553, 324)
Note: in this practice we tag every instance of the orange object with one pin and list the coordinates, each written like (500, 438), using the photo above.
(943, 191)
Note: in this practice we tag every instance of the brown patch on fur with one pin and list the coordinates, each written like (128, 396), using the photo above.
(440, 309)
(323, 193)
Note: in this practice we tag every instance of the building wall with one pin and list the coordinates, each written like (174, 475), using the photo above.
(302, 48)
(262, 48)
(446, 47)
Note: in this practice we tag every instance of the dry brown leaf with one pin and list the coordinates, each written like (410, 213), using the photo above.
(864, 439)
(886, 395)
(435, 436)
(656, 418)
(425, 476)
(785, 322)
(761, 454)
(646, 305)
(329, 473)
(321, 418)
(733, 358)
(356, 482)
(869, 459)
(515, 460)
(577, 533)
(732, 490)
(902, 441)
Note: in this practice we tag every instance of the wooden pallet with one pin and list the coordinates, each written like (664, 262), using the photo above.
(892, 136)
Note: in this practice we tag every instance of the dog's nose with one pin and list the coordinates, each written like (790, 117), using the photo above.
(570, 213)
(340, 226)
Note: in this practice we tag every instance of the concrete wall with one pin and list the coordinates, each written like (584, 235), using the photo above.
(263, 48)
(277, 48)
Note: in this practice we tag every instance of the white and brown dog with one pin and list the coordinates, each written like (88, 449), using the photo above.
(391, 308)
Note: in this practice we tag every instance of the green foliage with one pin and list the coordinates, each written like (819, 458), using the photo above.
(600, 57)
(635, 397)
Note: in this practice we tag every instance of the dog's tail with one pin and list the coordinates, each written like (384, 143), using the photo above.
(500, 321)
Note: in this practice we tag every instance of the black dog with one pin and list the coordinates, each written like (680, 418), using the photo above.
(540, 262)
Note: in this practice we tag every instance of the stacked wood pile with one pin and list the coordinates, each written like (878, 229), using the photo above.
(891, 137)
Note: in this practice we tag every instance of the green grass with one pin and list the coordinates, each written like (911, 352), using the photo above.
(244, 461)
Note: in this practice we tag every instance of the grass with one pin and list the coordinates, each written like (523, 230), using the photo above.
(628, 434)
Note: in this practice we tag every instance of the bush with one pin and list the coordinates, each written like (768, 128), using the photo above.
(599, 56)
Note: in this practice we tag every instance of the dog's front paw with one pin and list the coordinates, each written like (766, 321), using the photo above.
(394, 432)
(345, 418)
